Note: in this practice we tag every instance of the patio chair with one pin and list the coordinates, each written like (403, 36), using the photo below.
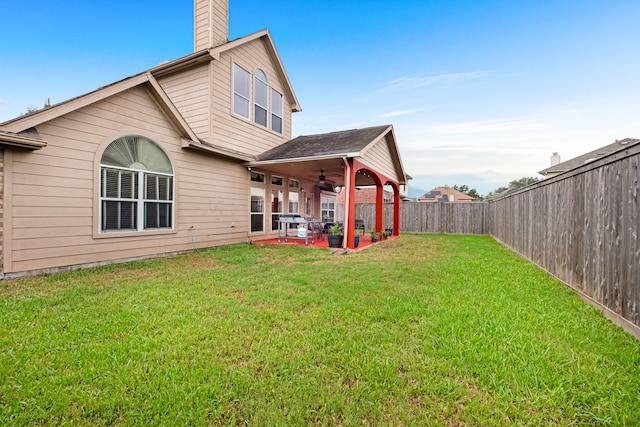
(318, 230)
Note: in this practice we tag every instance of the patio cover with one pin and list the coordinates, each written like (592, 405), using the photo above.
(357, 157)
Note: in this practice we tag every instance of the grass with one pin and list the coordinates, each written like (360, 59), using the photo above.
(421, 330)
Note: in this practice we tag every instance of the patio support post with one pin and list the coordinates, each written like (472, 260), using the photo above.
(350, 202)
(396, 211)
(379, 206)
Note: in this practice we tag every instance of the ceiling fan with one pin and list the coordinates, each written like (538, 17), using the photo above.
(321, 178)
(327, 184)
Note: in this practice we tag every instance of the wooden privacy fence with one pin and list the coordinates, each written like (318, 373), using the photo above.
(439, 218)
(582, 227)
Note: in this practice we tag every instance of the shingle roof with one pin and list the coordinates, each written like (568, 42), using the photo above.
(326, 144)
(444, 194)
(590, 156)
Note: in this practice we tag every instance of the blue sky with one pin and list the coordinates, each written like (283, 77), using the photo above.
(478, 92)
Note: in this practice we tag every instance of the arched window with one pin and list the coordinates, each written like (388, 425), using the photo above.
(260, 98)
(136, 186)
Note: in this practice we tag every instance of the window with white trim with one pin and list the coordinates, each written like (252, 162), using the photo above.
(276, 111)
(260, 98)
(241, 91)
(255, 100)
(277, 203)
(328, 207)
(136, 186)
(257, 202)
(294, 204)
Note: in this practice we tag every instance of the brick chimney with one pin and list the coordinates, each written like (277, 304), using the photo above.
(211, 23)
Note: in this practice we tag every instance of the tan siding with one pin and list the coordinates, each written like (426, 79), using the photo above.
(234, 132)
(379, 157)
(53, 206)
(189, 91)
(202, 18)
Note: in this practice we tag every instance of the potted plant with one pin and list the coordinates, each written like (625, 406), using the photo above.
(375, 236)
(335, 235)
(356, 238)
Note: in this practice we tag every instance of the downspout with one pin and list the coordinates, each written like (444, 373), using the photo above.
(347, 203)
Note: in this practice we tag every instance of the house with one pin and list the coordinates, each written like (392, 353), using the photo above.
(194, 153)
(445, 194)
(558, 167)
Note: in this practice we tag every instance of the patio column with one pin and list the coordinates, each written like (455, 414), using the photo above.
(350, 203)
(396, 211)
(379, 206)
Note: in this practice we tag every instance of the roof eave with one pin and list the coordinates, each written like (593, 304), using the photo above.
(213, 149)
(22, 142)
(65, 107)
(302, 159)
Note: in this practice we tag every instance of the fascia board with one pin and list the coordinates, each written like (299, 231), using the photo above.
(20, 141)
(394, 150)
(303, 159)
(169, 109)
(66, 107)
(211, 149)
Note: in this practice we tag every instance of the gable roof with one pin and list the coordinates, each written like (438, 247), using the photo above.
(589, 157)
(306, 156)
(347, 143)
(12, 128)
(445, 194)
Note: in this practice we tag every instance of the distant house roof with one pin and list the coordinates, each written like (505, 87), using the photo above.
(588, 157)
(445, 194)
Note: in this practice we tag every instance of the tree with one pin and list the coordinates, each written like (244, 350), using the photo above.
(515, 184)
(523, 182)
(469, 192)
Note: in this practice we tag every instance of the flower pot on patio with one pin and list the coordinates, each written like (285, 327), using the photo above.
(356, 241)
(335, 236)
(335, 241)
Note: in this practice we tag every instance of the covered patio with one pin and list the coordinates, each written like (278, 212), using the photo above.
(321, 243)
(340, 162)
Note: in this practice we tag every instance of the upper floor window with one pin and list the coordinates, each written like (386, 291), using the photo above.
(255, 100)
(260, 99)
(136, 186)
(241, 91)
(276, 111)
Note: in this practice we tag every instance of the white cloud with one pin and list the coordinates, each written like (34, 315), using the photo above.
(401, 113)
(4, 101)
(478, 127)
(411, 83)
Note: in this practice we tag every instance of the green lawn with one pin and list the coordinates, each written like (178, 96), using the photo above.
(421, 330)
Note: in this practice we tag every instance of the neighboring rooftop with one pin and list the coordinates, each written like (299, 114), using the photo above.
(588, 157)
(445, 194)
